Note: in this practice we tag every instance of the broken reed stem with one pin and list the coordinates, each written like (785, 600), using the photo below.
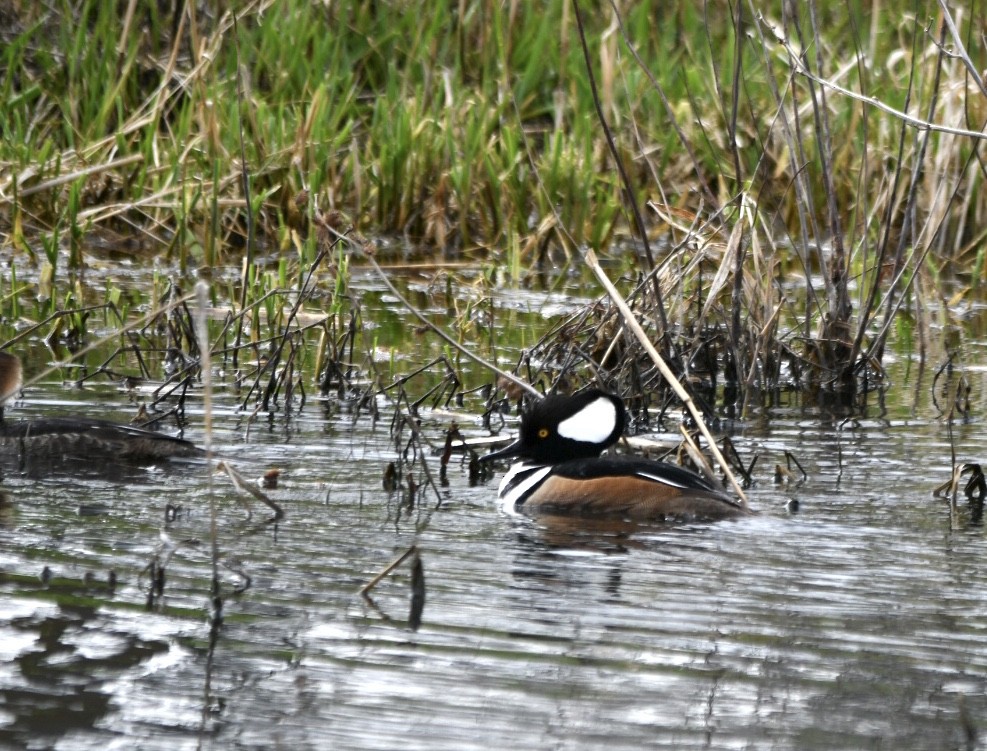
(663, 368)
(365, 589)
(448, 339)
(244, 485)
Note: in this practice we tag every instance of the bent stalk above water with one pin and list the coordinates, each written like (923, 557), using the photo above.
(666, 372)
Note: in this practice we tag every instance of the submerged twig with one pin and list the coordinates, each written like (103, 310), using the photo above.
(791, 459)
(365, 589)
(417, 592)
(417, 586)
(695, 455)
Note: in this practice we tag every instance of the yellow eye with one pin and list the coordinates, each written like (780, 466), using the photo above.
(543, 433)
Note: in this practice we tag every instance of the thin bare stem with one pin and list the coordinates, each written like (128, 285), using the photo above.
(873, 101)
(365, 589)
(624, 177)
(448, 339)
(698, 171)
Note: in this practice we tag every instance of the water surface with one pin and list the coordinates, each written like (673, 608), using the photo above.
(859, 621)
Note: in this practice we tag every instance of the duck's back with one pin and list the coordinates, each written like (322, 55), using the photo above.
(55, 437)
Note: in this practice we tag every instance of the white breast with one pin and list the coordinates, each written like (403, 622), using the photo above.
(520, 479)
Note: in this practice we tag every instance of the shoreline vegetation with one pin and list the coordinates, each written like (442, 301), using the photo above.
(787, 205)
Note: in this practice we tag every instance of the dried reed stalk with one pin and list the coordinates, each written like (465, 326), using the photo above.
(666, 372)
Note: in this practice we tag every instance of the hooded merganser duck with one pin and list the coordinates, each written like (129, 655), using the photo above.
(561, 471)
(77, 437)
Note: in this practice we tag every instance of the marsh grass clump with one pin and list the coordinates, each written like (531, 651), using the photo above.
(131, 125)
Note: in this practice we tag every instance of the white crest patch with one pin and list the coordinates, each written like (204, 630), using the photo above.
(593, 423)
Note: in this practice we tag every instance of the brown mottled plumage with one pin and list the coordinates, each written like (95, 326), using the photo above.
(77, 437)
